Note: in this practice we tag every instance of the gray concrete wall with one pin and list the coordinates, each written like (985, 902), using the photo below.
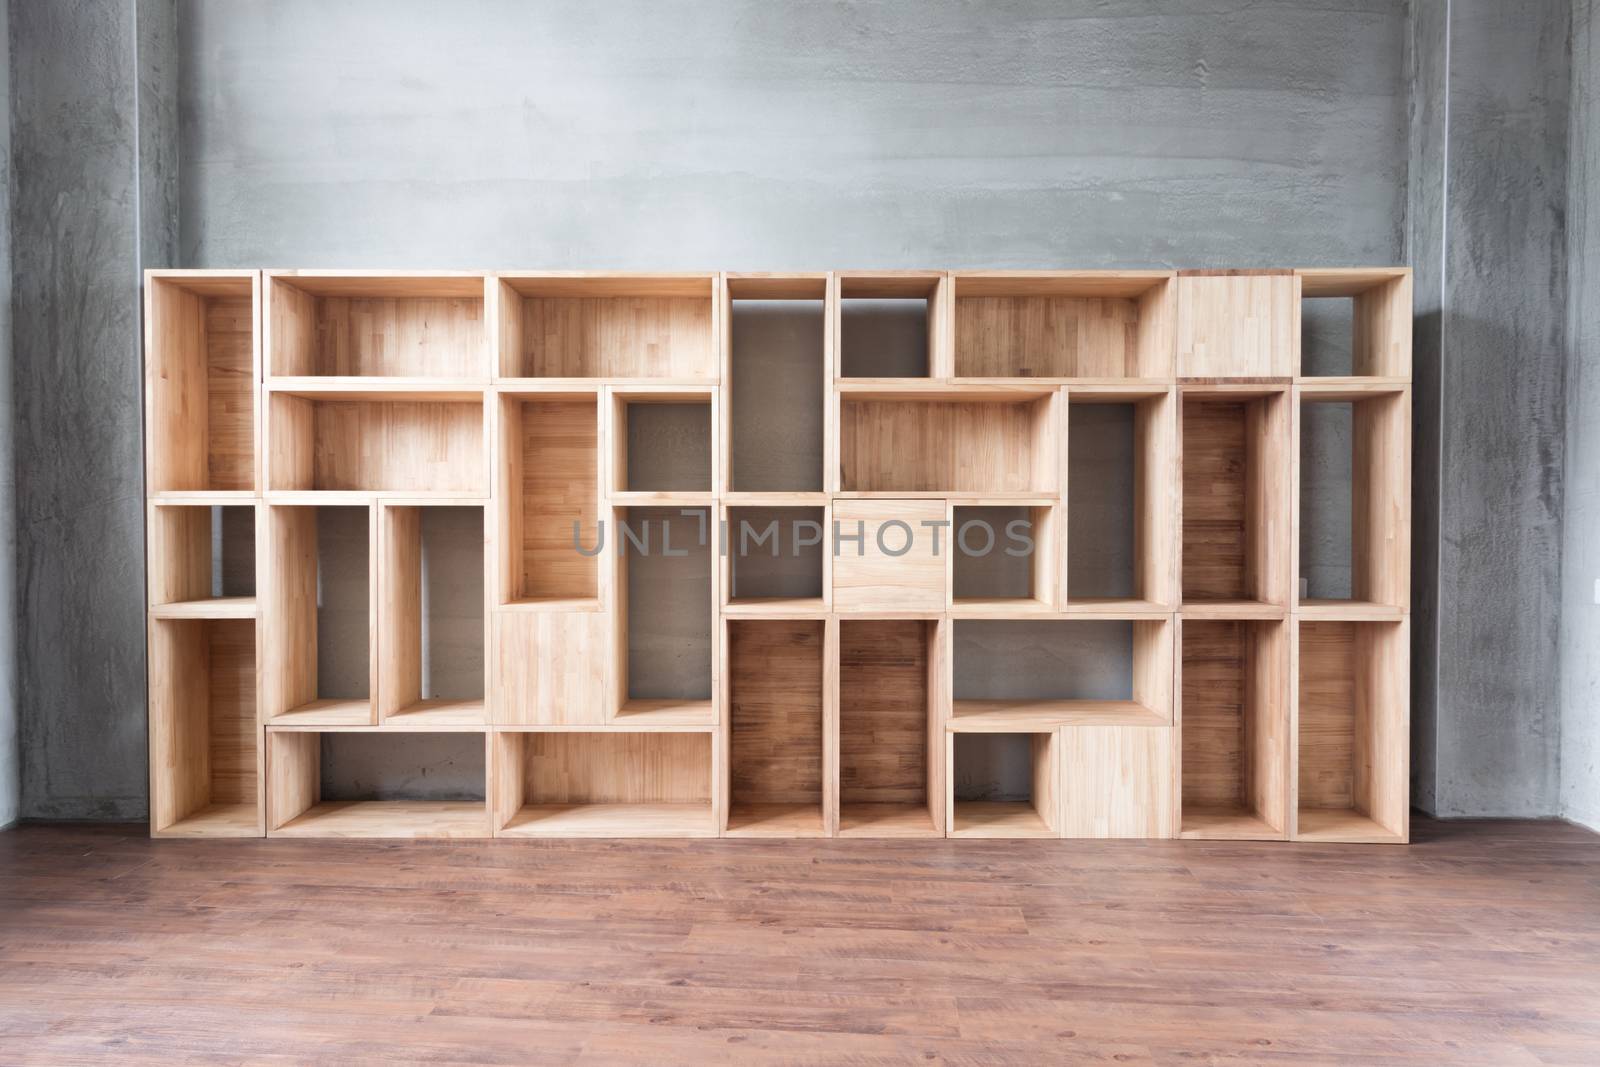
(10, 741)
(1580, 614)
(1501, 286)
(80, 233)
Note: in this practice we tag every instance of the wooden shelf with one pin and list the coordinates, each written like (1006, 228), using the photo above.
(362, 488)
(217, 607)
(389, 818)
(1010, 716)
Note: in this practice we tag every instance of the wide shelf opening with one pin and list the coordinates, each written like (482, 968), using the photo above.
(1004, 557)
(1355, 323)
(203, 560)
(1236, 476)
(1038, 325)
(778, 391)
(639, 326)
(549, 473)
(377, 784)
(1016, 674)
(400, 326)
(319, 615)
(619, 784)
(666, 579)
(888, 325)
(1004, 785)
(1355, 529)
(664, 443)
(890, 747)
(775, 558)
(1121, 515)
(775, 758)
(1354, 689)
(205, 776)
(431, 648)
(327, 442)
(991, 443)
(201, 368)
(1235, 729)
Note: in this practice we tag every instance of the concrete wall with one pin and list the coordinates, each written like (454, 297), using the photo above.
(1489, 742)
(1580, 614)
(10, 741)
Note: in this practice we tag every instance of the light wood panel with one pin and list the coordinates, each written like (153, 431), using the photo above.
(1116, 782)
(640, 326)
(889, 563)
(549, 471)
(775, 758)
(324, 443)
(888, 728)
(376, 326)
(1041, 324)
(1238, 324)
(602, 784)
(551, 668)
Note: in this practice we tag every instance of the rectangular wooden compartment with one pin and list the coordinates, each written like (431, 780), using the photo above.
(1235, 729)
(620, 326)
(777, 380)
(1121, 546)
(666, 655)
(891, 753)
(202, 560)
(1379, 318)
(984, 803)
(984, 442)
(1237, 469)
(320, 616)
(432, 625)
(663, 442)
(1352, 736)
(1004, 558)
(205, 770)
(202, 364)
(339, 324)
(547, 480)
(1033, 674)
(1063, 324)
(777, 560)
(362, 441)
(1379, 510)
(602, 784)
(892, 325)
(297, 807)
(776, 728)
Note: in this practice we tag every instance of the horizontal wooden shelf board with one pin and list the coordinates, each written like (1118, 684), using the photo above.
(996, 818)
(776, 500)
(1346, 281)
(1350, 388)
(666, 712)
(221, 607)
(380, 388)
(1233, 389)
(217, 820)
(1112, 284)
(1349, 610)
(1022, 716)
(1008, 390)
(559, 603)
(1234, 824)
(1342, 825)
(963, 497)
(321, 713)
(886, 820)
(389, 818)
(775, 820)
(203, 497)
(326, 498)
(436, 713)
(1232, 609)
(999, 607)
(611, 820)
(539, 388)
(776, 607)
(1115, 607)
(580, 284)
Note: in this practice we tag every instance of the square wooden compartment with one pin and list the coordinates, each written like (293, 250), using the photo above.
(1004, 784)
(665, 583)
(1004, 558)
(602, 784)
(620, 326)
(548, 480)
(204, 765)
(1378, 305)
(663, 442)
(1237, 466)
(891, 752)
(298, 807)
(341, 325)
(1352, 731)
(776, 559)
(203, 561)
(1235, 729)
(776, 710)
(201, 368)
(890, 325)
(1064, 324)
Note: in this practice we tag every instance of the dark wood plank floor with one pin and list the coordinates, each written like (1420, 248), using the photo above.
(1480, 943)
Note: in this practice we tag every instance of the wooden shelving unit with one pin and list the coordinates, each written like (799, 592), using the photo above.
(703, 554)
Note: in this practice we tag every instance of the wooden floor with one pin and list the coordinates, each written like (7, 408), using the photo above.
(1480, 943)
